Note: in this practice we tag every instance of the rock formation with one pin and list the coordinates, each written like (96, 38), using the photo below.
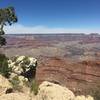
(46, 91)
(77, 76)
(4, 85)
(51, 91)
(17, 86)
(15, 96)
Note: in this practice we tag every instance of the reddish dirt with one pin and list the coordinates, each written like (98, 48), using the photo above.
(22, 42)
(78, 76)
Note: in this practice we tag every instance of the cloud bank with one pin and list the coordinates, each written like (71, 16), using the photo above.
(18, 28)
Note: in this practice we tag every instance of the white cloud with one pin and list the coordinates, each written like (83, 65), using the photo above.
(17, 28)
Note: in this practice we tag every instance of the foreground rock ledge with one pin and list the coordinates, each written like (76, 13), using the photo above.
(15, 96)
(50, 91)
(47, 91)
(4, 85)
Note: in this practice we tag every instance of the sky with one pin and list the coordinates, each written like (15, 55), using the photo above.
(54, 16)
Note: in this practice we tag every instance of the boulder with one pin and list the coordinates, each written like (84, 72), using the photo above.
(50, 91)
(4, 85)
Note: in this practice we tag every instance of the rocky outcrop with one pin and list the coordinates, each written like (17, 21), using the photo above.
(46, 91)
(17, 85)
(77, 76)
(15, 96)
(5, 85)
(51, 91)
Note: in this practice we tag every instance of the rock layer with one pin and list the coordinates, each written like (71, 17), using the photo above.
(78, 76)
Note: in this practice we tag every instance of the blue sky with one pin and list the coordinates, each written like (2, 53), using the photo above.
(55, 16)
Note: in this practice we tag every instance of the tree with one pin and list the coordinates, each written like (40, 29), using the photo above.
(7, 16)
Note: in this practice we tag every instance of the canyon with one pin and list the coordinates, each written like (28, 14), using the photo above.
(71, 60)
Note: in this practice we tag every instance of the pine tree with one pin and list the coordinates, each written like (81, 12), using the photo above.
(7, 17)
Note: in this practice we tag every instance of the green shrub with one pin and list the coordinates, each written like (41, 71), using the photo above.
(15, 83)
(95, 93)
(34, 87)
(26, 61)
(4, 69)
(14, 58)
